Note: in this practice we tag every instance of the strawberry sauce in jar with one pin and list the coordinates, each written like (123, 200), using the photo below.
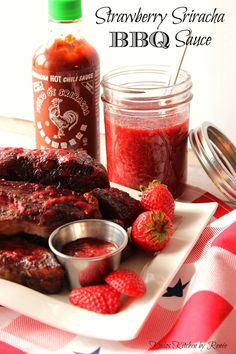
(146, 124)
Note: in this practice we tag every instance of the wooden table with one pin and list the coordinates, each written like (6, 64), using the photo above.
(17, 132)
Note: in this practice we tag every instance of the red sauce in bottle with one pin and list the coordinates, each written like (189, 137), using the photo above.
(66, 91)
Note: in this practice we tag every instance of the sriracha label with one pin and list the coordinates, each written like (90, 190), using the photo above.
(65, 108)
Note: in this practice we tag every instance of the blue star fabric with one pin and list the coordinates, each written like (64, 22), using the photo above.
(97, 351)
(176, 290)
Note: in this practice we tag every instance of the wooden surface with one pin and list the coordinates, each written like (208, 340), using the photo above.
(16, 132)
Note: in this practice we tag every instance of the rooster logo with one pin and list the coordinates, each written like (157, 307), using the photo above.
(66, 121)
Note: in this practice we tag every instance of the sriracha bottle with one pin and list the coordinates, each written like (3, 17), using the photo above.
(66, 80)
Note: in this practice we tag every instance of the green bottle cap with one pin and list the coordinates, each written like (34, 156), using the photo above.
(64, 10)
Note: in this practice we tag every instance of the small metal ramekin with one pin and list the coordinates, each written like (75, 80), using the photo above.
(83, 271)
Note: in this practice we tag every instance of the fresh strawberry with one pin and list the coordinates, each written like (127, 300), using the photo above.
(127, 282)
(98, 298)
(156, 196)
(151, 231)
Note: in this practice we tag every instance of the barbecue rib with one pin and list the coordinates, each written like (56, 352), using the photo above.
(70, 169)
(37, 209)
(24, 261)
(117, 204)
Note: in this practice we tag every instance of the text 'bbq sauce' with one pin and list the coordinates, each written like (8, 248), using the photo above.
(66, 79)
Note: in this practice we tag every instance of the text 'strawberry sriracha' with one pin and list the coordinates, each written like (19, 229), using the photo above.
(146, 127)
(66, 84)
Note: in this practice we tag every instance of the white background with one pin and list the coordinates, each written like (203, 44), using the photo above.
(23, 26)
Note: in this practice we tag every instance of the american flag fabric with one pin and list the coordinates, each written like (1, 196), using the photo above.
(196, 314)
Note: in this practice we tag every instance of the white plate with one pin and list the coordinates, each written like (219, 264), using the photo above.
(157, 272)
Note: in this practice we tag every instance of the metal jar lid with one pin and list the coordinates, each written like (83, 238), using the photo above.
(217, 154)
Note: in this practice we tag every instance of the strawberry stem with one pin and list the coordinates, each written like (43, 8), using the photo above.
(143, 188)
(159, 228)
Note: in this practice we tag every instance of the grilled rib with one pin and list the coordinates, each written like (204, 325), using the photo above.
(72, 169)
(37, 209)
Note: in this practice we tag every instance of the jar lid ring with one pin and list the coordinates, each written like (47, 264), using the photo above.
(217, 155)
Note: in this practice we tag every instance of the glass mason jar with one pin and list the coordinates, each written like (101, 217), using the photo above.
(146, 126)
